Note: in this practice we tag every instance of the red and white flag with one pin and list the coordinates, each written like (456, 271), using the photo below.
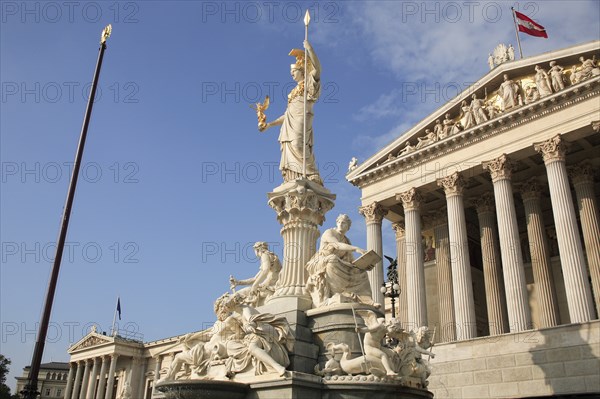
(529, 26)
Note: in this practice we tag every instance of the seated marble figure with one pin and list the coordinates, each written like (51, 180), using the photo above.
(333, 277)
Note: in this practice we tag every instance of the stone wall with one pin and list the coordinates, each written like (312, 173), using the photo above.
(557, 360)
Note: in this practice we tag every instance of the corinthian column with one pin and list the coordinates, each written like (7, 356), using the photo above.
(464, 306)
(492, 268)
(111, 376)
(301, 206)
(583, 180)
(415, 271)
(540, 254)
(72, 367)
(86, 379)
(77, 382)
(92, 384)
(102, 381)
(519, 315)
(401, 256)
(444, 277)
(374, 214)
(577, 287)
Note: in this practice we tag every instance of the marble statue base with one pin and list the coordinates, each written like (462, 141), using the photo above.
(203, 389)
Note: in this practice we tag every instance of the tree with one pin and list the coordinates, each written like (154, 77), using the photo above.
(4, 389)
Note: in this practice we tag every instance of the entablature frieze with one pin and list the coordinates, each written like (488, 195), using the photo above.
(504, 123)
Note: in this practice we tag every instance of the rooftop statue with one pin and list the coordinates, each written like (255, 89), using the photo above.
(557, 76)
(586, 70)
(291, 136)
(542, 81)
(509, 92)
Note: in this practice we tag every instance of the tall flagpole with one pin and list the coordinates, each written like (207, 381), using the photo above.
(30, 390)
(112, 330)
(306, 22)
(517, 32)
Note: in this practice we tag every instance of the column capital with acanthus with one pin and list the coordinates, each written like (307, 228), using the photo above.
(399, 229)
(411, 199)
(484, 203)
(373, 213)
(552, 150)
(581, 173)
(453, 184)
(530, 189)
(500, 168)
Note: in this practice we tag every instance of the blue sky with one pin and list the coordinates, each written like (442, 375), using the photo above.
(173, 187)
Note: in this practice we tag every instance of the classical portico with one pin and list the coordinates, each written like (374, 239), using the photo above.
(516, 247)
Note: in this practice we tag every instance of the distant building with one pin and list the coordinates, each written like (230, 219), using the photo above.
(51, 382)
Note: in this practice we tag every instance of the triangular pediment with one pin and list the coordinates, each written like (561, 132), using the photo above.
(90, 340)
(486, 89)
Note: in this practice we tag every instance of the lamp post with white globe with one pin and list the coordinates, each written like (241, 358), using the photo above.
(391, 288)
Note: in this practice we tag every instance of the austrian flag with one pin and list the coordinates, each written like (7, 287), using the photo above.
(529, 26)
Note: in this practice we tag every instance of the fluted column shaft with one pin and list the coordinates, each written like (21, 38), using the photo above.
(577, 287)
(374, 214)
(72, 367)
(462, 285)
(415, 271)
(86, 379)
(492, 270)
(77, 382)
(301, 206)
(444, 277)
(401, 256)
(519, 315)
(540, 255)
(111, 376)
(140, 384)
(583, 180)
(102, 380)
(92, 382)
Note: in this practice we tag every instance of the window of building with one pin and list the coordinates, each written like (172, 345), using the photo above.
(48, 391)
(59, 392)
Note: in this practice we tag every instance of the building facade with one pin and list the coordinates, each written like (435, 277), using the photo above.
(494, 203)
(52, 380)
(493, 200)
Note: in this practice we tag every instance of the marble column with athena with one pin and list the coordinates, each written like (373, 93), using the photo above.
(86, 379)
(582, 176)
(540, 255)
(77, 382)
(519, 315)
(102, 381)
(401, 257)
(69, 387)
(444, 276)
(415, 270)
(577, 287)
(93, 376)
(374, 214)
(462, 283)
(111, 376)
(492, 266)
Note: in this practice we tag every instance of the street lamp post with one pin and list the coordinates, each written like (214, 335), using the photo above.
(391, 288)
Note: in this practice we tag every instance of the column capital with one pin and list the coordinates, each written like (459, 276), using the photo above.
(484, 203)
(373, 213)
(453, 184)
(439, 217)
(552, 150)
(399, 229)
(114, 356)
(411, 199)
(500, 168)
(530, 189)
(581, 173)
(596, 126)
